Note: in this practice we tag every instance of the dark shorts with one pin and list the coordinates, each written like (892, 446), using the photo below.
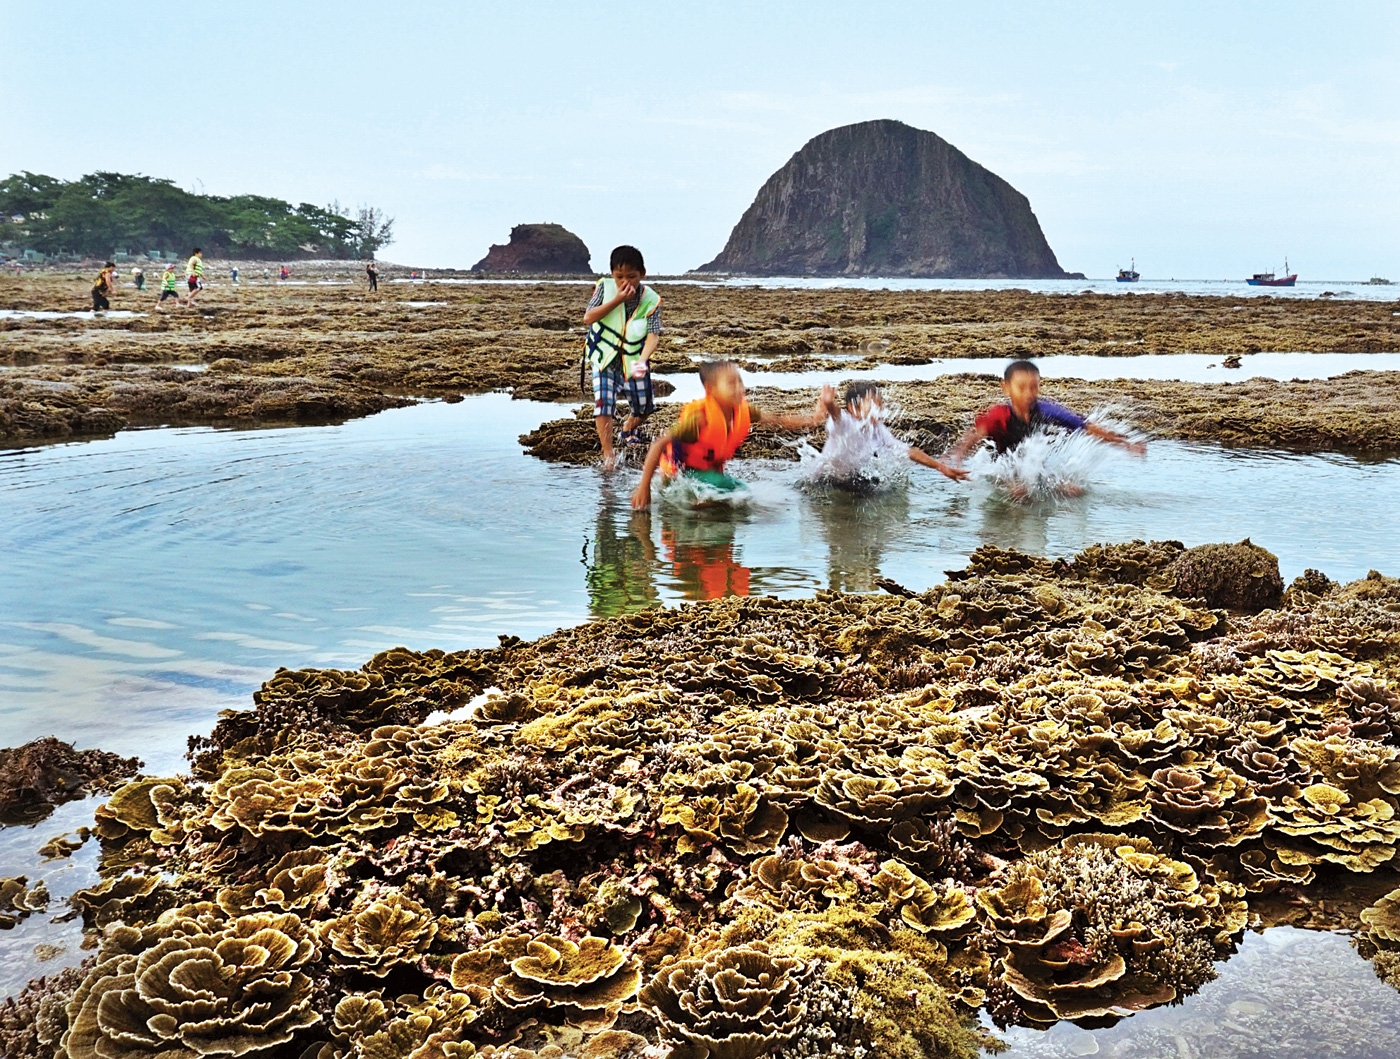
(99, 300)
(196, 283)
(168, 294)
(609, 385)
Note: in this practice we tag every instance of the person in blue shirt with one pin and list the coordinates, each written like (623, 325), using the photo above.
(1023, 412)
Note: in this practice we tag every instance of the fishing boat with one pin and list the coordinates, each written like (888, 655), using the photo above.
(1268, 279)
(1379, 281)
(1129, 274)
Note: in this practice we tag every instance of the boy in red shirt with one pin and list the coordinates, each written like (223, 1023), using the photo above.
(1008, 424)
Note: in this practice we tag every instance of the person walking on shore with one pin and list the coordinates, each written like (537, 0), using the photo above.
(103, 285)
(372, 274)
(169, 286)
(138, 277)
(194, 275)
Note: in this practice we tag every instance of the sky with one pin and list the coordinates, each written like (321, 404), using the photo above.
(1204, 140)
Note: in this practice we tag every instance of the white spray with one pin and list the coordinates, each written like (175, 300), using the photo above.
(1051, 463)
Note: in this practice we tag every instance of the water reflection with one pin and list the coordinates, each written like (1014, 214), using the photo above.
(1287, 994)
(857, 530)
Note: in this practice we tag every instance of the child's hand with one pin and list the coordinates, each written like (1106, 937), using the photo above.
(1137, 448)
(640, 369)
(955, 473)
(641, 497)
(625, 291)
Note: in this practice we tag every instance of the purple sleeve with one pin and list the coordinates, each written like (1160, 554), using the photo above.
(1060, 415)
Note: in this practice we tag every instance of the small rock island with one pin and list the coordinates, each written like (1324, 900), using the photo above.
(538, 248)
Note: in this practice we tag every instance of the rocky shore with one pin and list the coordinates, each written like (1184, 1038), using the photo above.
(1045, 789)
(325, 349)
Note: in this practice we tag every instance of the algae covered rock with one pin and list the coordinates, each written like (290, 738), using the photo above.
(44, 773)
(1239, 576)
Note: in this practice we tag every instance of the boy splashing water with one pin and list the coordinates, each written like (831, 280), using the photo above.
(860, 450)
(709, 431)
(1023, 413)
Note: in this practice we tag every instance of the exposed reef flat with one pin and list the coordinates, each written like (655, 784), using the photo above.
(318, 351)
(44, 773)
(1045, 789)
(1358, 412)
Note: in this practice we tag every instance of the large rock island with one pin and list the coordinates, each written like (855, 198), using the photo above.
(538, 248)
(881, 198)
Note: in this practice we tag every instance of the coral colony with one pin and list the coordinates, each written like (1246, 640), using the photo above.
(841, 826)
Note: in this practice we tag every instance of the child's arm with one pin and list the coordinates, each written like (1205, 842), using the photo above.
(641, 496)
(592, 316)
(815, 418)
(972, 437)
(918, 455)
(1137, 448)
(828, 401)
(648, 348)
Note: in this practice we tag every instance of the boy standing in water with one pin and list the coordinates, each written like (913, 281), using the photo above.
(194, 275)
(709, 431)
(1023, 412)
(624, 328)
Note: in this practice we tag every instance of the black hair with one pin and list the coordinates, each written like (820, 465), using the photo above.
(856, 391)
(627, 255)
(110, 264)
(1019, 365)
(710, 370)
(198, 250)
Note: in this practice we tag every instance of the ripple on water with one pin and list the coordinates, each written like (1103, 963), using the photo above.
(1287, 994)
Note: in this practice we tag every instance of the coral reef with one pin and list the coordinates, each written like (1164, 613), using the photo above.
(1045, 789)
(46, 772)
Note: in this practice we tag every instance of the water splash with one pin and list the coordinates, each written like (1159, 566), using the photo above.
(685, 491)
(1052, 464)
(861, 455)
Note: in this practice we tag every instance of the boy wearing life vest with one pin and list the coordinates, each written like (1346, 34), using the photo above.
(709, 431)
(194, 275)
(624, 328)
(169, 285)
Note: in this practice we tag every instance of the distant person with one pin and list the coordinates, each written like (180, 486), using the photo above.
(709, 431)
(283, 272)
(194, 275)
(138, 277)
(624, 329)
(169, 285)
(104, 285)
(372, 274)
(234, 272)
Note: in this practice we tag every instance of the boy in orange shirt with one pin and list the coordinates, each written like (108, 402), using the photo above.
(709, 432)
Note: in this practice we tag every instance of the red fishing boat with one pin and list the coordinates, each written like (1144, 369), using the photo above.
(1268, 279)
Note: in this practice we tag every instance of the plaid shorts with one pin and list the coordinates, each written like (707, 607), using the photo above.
(609, 385)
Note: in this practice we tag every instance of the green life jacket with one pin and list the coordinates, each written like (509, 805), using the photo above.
(196, 266)
(618, 333)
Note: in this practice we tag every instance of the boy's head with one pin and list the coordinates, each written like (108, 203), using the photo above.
(197, 251)
(109, 264)
(1021, 384)
(723, 382)
(626, 265)
(864, 398)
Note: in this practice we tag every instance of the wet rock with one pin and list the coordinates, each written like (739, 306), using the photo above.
(44, 773)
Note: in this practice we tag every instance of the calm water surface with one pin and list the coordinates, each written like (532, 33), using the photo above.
(158, 577)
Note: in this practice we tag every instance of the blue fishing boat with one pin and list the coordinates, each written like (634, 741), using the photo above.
(1129, 274)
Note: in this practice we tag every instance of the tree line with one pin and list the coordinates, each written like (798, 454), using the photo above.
(102, 213)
